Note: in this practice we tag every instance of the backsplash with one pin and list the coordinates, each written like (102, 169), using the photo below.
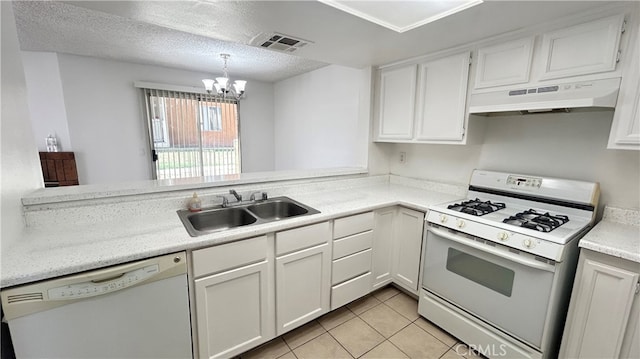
(622, 216)
(571, 146)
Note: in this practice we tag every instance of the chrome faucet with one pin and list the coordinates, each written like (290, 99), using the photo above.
(225, 201)
(236, 195)
(263, 196)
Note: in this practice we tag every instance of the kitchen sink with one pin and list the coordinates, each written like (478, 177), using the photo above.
(227, 217)
(279, 208)
(218, 219)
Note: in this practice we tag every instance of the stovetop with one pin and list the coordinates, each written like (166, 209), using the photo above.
(476, 207)
(539, 215)
(537, 220)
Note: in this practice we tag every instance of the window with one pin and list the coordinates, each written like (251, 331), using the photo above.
(192, 134)
(211, 118)
(160, 131)
(159, 124)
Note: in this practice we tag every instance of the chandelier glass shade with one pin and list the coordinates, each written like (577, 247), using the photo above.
(222, 85)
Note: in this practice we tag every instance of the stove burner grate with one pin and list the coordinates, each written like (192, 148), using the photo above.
(542, 222)
(476, 207)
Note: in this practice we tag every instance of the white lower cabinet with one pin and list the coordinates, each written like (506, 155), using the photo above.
(234, 306)
(383, 238)
(303, 277)
(407, 248)
(249, 291)
(351, 267)
(603, 314)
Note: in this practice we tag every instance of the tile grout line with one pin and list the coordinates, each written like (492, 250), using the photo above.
(385, 338)
(381, 333)
(355, 316)
(438, 339)
(449, 347)
(415, 320)
(336, 339)
(340, 344)
(317, 322)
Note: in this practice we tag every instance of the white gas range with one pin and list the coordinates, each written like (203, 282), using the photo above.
(498, 265)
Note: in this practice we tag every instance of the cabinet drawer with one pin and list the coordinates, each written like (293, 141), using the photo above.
(351, 266)
(347, 226)
(350, 290)
(352, 244)
(303, 237)
(231, 255)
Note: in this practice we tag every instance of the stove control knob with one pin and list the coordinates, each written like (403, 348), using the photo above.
(503, 236)
(443, 218)
(460, 223)
(528, 243)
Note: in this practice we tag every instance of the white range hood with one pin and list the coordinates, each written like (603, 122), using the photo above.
(591, 94)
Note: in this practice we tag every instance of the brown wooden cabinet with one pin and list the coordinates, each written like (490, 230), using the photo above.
(59, 169)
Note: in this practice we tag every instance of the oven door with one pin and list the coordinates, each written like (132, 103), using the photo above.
(508, 290)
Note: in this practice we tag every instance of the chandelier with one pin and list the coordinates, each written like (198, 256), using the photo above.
(222, 85)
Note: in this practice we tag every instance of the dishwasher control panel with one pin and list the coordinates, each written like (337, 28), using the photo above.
(97, 287)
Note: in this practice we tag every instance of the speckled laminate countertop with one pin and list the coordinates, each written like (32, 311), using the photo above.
(618, 234)
(70, 245)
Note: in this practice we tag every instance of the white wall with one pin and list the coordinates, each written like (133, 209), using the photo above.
(257, 128)
(560, 145)
(20, 167)
(45, 98)
(106, 122)
(318, 122)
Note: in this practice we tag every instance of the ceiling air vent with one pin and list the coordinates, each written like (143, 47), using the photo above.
(280, 42)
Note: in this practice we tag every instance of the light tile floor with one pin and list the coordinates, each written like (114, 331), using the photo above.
(384, 324)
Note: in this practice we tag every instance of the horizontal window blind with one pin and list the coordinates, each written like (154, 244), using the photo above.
(193, 134)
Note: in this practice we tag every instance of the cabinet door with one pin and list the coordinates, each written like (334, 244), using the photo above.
(504, 64)
(303, 283)
(397, 103)
(599, 310)
(631, 342)
(582, 49)
(442, 99)
(232, 311)
(383, 239)
(625, 128)
(408, 245)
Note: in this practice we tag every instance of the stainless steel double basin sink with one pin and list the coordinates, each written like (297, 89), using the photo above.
(222, 218)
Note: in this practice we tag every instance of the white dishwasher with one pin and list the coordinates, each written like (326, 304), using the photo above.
(133, 310)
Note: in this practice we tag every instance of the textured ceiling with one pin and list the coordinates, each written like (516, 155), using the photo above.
(64, 28)
(191, 34)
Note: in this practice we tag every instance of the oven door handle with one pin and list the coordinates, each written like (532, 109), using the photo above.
(485, 248)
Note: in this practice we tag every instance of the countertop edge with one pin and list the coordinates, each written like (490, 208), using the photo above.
(617, 235)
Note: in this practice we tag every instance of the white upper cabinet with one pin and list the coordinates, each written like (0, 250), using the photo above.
(582, 49)
(397, 103)
(625, 128)
(433, 114)
(504, 64)
(442, 96)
